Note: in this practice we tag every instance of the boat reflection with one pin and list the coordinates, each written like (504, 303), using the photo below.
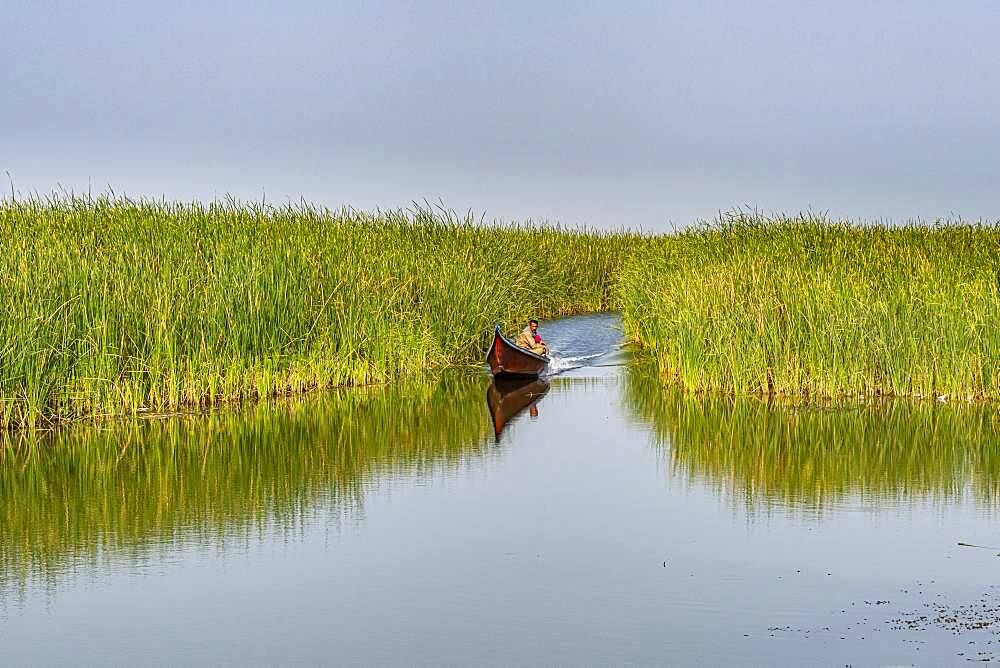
(506, 397)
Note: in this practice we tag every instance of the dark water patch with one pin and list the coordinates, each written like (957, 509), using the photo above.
(926, 621)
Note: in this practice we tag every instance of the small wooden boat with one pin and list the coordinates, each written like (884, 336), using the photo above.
(507, 360)
(506, 397)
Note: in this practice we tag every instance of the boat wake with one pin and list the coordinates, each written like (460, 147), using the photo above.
(559, 364)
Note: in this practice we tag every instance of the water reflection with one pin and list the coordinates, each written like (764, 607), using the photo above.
(507, 397)
(137, 491)
(87, 496)
(815, 455)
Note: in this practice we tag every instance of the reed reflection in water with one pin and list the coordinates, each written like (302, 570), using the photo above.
(815, 455)
(88, 497)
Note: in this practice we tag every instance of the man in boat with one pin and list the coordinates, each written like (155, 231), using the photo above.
(530, 339)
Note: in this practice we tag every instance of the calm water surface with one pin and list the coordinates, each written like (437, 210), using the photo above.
(611, 521)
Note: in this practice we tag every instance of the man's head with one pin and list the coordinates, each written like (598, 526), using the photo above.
(533, 324)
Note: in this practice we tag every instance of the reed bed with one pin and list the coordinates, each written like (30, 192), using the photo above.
(113, 306)
(808, 307)
(130, 491)
(810, 456)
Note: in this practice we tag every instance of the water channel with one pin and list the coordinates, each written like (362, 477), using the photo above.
(603, 519)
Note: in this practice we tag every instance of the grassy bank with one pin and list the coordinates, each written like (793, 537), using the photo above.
(802, 306)
(111, 306)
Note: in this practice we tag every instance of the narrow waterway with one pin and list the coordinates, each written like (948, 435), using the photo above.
(609, 521)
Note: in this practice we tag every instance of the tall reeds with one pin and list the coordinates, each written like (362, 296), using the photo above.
(111, 306)
(807, 307)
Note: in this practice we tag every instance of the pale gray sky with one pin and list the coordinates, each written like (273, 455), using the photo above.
(605, 114)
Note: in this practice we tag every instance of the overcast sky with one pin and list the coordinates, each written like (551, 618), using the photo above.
(604, 114)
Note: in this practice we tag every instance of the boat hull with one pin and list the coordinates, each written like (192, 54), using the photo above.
(507, 360)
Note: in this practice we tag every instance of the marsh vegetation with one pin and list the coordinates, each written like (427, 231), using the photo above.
(812, 308)
(113, 306)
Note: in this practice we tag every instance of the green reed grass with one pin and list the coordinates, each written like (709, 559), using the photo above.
(808, 307)
(128, 491)
(811, 455)
(111, 305)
